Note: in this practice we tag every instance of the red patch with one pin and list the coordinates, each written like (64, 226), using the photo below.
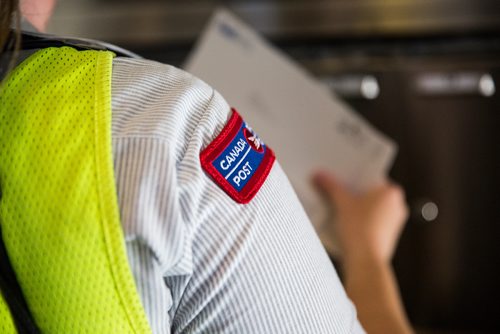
(237, 160)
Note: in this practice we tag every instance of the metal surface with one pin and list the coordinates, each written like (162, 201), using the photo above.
(168, 21)
(448, 163)
(457, 83)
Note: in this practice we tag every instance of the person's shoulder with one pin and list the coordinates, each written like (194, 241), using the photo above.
(147, 84)
(133, 71)
(155, 100)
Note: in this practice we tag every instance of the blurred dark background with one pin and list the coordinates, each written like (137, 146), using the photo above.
(426, 72)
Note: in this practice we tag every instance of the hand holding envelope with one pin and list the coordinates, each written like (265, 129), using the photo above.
(305, 124)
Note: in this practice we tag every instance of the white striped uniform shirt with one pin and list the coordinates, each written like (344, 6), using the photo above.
(202, 262)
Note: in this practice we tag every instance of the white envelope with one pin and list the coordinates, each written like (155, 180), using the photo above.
(306, 125)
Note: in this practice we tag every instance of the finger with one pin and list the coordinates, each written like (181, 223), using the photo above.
(396, 191)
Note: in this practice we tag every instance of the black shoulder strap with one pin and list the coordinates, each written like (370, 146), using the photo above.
(13, 296)
(32, 40)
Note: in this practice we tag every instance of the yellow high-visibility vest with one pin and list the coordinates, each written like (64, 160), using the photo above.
(58, 208)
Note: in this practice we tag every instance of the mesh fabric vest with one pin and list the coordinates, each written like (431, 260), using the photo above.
(58, 207)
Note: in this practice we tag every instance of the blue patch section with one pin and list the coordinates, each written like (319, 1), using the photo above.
(239, 161)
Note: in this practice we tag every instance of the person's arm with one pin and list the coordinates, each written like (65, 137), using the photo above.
(368, 227)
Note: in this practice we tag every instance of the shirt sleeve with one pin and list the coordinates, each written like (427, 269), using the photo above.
(239, 268)
(257, 267)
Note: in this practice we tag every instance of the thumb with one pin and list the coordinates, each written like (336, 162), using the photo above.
(326, 183)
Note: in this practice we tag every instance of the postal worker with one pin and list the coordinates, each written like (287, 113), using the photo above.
(134, 199)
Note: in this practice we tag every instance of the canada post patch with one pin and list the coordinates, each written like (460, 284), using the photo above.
(237, 160)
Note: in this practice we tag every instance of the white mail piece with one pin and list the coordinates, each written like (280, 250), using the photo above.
(307, 126)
